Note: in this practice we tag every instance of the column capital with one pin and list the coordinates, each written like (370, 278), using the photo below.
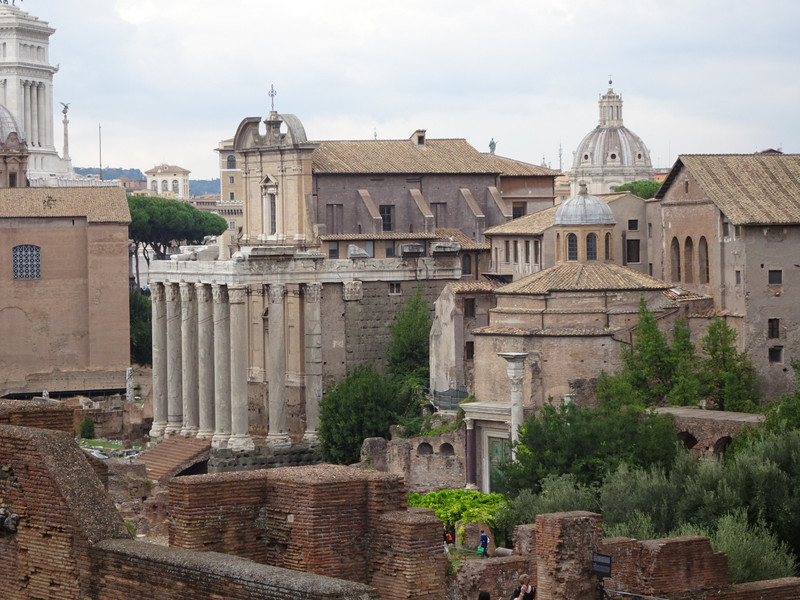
(220, 293)
(203, 292)
(313, 292)
(187, 291)
(173, 292)
(276, 292)
(157, 293)
(237, 294)
(470, 423)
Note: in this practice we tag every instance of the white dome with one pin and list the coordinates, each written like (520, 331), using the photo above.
(584, 209)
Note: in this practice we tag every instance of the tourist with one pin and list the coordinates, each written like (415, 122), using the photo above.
(525, 591)
(484, 545)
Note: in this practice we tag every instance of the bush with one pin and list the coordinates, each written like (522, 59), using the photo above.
(452, 506)
(141, 328)
(87, 429)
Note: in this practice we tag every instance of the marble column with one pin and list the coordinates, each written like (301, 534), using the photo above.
(41, 135)
(26, 102)
(159, 308)
(191, 408)
(276, 370)
(34, 139)
(205, 355)
(515, 369)
(222, 367)
(174, 376)
(313, 341)
(470, 455)
(240, 428)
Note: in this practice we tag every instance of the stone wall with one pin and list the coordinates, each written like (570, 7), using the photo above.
(426, 463)
(224, 460)
(326, 519)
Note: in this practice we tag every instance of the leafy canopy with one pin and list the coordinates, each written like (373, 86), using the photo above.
(141, 328)
(159, 222)
(644, 188)
(467, 506)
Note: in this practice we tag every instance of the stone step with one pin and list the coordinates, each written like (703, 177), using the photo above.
(173, 455)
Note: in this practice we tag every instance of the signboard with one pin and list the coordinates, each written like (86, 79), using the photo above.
(601, 565)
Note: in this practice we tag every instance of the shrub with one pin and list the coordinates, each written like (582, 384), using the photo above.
(87, 429)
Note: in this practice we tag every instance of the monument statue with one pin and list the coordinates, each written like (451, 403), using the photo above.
(66, 106)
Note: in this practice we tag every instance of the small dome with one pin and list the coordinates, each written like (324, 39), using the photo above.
(8, 125)
(584, 209)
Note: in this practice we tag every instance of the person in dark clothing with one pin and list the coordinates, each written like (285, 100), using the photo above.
(524, 591)
(483, 596)
(484, 544)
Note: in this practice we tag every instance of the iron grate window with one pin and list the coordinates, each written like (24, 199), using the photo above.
(27, 260)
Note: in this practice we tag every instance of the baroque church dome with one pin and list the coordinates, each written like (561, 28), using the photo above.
(610, 154)
(584, 209)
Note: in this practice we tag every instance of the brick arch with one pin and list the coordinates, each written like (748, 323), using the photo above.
(720, 446)
(687, 439)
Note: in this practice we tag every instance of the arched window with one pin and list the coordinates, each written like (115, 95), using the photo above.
(688, 260)
(572, 246)
(558, 246)
(154, 185)
(591, 247)
(176, 186)
(675, 255)
(702, 253)
(165, 186)
(466, 265)
(27, 261)
(231, 161)
(608, 246)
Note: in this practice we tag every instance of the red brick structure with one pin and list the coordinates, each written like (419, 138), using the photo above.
(332, 520)
(37, 413)
(71, 543)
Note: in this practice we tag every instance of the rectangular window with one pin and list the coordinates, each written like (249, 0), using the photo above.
(273, 214)
(527, 252)
(650, 269)
(516, 252)
(633, 224)
(27, 261)
(775, 277)
(394, 288)
(333, 249)
(390, 249)
(737, 231)
(632, 247)
(369, 247)
(536, 251)
(387, 214)
(469, 351)
(231, 224)
(726, 229)
(231, 195)
(469, 308)
(776, 354)
(738, 277)
(508, 251)
(230, 179)
(518, 210)
(773, 328)
(649, 230)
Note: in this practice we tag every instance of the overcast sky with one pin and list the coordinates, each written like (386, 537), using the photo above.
(169, 79)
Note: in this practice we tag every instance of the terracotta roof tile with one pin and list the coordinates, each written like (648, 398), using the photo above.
(528, 225)
(751, 189)
(165, 168)
(583, 277)
(511, 167)
(386, 235)
(467, 243)
(473, 287)
(567, 331)
(97, 204)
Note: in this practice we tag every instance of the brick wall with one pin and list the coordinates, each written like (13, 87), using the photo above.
(326, 519)
(37, 413)
(498, 576)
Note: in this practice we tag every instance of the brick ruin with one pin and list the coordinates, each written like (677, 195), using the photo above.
(319, 531)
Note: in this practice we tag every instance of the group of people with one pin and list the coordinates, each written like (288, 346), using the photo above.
(524, 591)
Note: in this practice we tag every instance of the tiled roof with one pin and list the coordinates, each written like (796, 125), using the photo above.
(467, 243)
(473, 287)
(511, 167)
(528, 225)
(402, 156)
(165, 168)
(97, 204)
(751, 189)
(573, 277)
(386, 235)
(560, 332)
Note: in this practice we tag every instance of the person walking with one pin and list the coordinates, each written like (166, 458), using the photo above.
(484, 544)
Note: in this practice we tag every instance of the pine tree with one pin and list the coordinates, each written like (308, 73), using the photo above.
(730, 377)
(687, 382)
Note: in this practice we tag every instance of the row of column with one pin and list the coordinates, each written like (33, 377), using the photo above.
(200, 362)
(37, 113)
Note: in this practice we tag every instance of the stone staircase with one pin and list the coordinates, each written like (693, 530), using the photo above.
(173, 455)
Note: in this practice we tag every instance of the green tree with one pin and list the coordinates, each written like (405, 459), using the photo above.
(141, 328)
(360, 406)
(730, 378)
(644, 188)
(588, 443)
(158, 223)
(687, 388)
